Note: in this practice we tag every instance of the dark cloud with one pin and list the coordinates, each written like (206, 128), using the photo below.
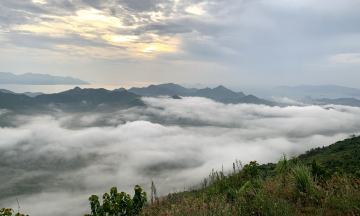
(25, 5)
(26, 39)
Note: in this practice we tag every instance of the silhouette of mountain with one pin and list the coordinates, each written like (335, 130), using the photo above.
(6, 91)
(177, 88)
(30, 94)
(340, 101)
(38, 79)
(15, 101)
(333, 89)
(120, 89)
(74, 99)
(176, 97)
(152, 90)
(250, 99)
(219, 93)
(89, 96)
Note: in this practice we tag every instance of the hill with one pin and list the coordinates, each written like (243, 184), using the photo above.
(177, 88)
(6, 91)
(219, 93)
(344, 155)
(152, 90)
(340, 101)
(75, 99)
(293, 189)
(30, 94)
(331, 89)
(15, 101)
(38, 79)
(251, 99)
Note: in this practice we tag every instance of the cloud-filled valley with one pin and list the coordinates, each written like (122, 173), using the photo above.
(59, 159)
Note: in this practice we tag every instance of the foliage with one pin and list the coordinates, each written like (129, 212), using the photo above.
(342, 155)
(302, 179)
(118, 204)
(9, 212)
(245, 192)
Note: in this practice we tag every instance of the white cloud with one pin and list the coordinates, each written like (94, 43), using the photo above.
(346, 58)
(286, 100)
(131, 147)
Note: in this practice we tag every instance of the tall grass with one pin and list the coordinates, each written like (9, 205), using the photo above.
(244, 192)
(302, 179)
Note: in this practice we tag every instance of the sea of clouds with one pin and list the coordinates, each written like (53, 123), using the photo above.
(60, 159)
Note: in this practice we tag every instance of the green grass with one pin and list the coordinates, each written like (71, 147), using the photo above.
(299, 186)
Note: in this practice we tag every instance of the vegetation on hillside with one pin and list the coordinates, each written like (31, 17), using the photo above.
(296, 186)
(342, 156)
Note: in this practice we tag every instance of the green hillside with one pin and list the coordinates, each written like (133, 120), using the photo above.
(341, 156)
(344, 155)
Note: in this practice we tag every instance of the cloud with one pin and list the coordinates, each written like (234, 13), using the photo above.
(346, 58)
(280, 41)
(286, 100)
(3, 111)
(57, 160)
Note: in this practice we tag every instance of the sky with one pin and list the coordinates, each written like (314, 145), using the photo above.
(59, 159)
(246, 43)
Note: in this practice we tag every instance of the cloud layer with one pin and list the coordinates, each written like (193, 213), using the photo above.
(60, 159)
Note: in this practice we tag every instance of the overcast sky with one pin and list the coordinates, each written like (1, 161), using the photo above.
(138, 42)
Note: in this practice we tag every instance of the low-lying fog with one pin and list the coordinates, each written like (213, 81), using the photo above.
(54, 162)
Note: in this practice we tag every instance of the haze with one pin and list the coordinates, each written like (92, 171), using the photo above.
(59, 159)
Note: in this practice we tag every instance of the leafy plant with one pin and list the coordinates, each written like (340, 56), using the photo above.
(251, 171)
(8, 212)
(118, 204)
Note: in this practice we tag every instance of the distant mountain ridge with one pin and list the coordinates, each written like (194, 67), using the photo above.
(219, 93)
(91, 98)
(38, 79)
(30, 94)
(321, 89)
(75, 99)
(340, 101)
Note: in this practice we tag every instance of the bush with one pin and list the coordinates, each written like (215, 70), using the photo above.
(118, 204)
(8, 212)
(302, 179)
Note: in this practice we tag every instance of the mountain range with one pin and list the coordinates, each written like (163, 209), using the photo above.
(340, 101)
(73, 99)
(38, 79)
(219, 93)
(30, 94)
(325, 89)
(87, 99)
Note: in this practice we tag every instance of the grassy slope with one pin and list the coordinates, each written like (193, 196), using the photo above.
(277, 193)
(342, 155)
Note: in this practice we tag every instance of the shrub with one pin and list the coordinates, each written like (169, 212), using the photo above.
(8, 212)
(118, 204)
(302, 179)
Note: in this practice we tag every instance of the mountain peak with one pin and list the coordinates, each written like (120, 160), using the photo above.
(77, 88)
(220, 87)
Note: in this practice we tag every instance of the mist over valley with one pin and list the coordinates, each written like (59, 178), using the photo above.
(79, 144)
